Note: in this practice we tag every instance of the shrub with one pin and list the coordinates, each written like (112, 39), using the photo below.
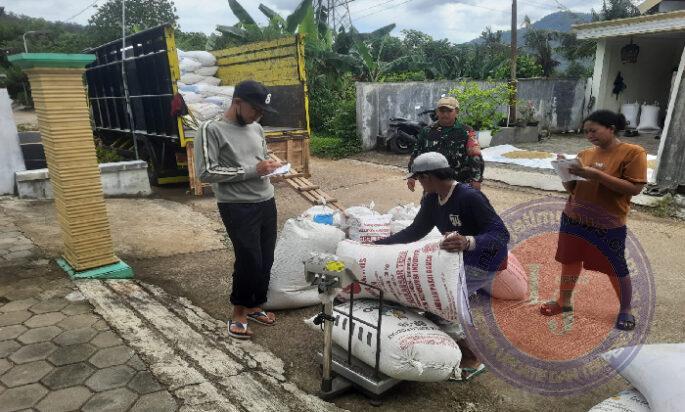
(333, 147)
(479, 107)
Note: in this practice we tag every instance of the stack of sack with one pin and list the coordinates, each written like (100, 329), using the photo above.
(415, 277)
(199, 86)
(321, 229)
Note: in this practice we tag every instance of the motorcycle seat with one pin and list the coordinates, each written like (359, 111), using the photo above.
(398, 119)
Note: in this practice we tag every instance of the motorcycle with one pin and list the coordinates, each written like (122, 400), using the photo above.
(402, 132)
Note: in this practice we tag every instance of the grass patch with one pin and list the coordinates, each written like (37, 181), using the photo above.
(527, 154)
(333, 147)
(665, 207)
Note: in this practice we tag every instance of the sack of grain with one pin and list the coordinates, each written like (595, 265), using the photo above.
(204, 57)
(298, 239)
(412, 347)
(418, 275)
(207, 71)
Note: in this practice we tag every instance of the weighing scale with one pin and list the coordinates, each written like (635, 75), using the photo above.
(341, 371)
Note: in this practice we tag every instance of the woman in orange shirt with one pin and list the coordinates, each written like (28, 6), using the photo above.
(593, 224)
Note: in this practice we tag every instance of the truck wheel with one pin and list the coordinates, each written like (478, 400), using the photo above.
(399, 147)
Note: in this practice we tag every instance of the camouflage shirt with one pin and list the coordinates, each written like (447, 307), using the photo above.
(458, 144)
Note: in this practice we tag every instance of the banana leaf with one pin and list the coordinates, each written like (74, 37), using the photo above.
(242, 14)
(231, 31)
(298, 16)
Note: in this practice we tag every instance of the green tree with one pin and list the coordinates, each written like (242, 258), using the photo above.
(105, 24)
(526, 67)
(190, 40)
(615, 9)
(540, 42)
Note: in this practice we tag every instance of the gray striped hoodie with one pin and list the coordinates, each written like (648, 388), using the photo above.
(226, 155)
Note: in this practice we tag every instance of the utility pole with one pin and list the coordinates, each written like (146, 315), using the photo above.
(513, 82)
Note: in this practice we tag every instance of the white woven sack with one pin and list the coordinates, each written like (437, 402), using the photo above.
(204, 111)
(204, 57)
(221, 101)
(190, 97)
(209, 80)
(322, 210)
(188, 65)
(412, 347)
(191, 78)
(657, 372)
(649, 117)
(207, 71)
(399, 225)
(299, 238)
(418, 275)
(404, 212)
(630, 111)
(629, 400)
(367, 229)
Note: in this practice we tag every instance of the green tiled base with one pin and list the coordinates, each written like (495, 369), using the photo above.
(119, 270)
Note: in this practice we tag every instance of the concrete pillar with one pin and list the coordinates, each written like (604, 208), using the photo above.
(64, 121)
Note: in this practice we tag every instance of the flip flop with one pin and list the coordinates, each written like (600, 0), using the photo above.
(256, 316)
(625, 321)
(243, 334)
(552, 308)
(470, 373)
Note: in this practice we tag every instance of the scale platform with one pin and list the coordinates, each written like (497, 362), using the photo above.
(360, 374)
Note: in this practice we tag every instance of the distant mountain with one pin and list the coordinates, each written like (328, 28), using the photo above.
(559, 21)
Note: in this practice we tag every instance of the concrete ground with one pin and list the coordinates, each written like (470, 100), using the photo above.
(176, 242)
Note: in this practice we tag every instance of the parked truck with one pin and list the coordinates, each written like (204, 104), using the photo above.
(131, 108)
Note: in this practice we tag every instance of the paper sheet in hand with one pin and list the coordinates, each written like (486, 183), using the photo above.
(562, 166)
(280, 171)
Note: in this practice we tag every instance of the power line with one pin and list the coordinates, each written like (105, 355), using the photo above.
(373, 7)
(82, 11)
(381, 11)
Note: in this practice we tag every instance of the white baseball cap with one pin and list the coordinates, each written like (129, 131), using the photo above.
(427, 162)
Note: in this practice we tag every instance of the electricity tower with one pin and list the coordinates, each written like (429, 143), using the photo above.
(336, 13)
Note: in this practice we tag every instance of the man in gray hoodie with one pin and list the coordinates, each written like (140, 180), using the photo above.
(231, 154)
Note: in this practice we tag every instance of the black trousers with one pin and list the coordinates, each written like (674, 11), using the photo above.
(252, 229)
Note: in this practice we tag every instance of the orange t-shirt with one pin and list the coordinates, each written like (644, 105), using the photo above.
(626, 161)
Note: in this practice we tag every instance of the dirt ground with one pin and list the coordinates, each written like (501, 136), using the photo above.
(175, 241)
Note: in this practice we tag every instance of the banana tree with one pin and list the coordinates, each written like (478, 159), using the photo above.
(371, 67)
(247, 29)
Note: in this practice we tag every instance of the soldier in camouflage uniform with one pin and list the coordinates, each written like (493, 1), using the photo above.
(454, 140)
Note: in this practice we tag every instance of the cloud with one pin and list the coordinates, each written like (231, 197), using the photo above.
(456, 20)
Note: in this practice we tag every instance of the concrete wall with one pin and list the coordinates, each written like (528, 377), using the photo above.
(648, 80)
(560, 103)
(118, 179)
(11, 159)
(670, 171)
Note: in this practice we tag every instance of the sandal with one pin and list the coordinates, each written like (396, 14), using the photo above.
(468, 374)
(243, 334)
(625, 321)
(262, 317)
(552, 308)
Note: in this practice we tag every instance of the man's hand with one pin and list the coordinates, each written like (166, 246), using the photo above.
(411, 184)
(454, 242)
(267, 166)
(475, 184)
(589, 173)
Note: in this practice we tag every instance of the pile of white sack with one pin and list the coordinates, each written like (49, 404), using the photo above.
(198, 86)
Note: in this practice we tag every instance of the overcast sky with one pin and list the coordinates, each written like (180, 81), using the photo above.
(458, 21)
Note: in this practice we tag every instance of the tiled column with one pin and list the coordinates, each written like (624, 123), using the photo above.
(64, 121)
